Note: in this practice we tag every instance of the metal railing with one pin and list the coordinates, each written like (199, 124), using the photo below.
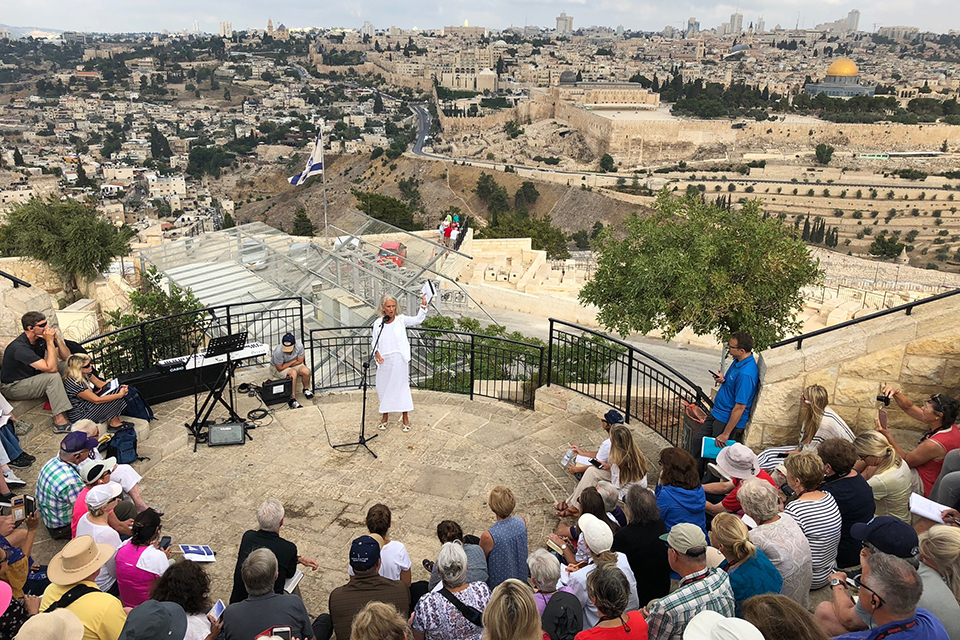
(139, 347)
(622, 376)
(906, 308)
(17, 282)
(450, 361)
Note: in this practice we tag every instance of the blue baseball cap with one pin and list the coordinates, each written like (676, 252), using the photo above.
(613, 417)
(364, 553)
(889, 535)
(76, 441)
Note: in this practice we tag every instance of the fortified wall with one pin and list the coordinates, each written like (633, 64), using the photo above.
(639, 141)
(918, 353)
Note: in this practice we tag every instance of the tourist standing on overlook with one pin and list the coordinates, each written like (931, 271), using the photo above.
(731, 406)
(392, 349)
(32, 363)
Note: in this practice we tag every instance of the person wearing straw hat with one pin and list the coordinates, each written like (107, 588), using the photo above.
(56, 625)
(737, 462)
(72, 587)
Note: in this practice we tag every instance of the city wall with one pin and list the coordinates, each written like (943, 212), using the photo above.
(650, 141)
(918, 353)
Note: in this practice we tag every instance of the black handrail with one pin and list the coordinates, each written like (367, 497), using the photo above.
(17, 282)
(631, 348)
(908, 308)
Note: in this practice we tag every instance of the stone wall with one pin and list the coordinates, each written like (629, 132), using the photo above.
(919, 353)
(33, 271)
(14, 302)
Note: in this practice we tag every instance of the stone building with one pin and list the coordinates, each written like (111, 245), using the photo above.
(842, 81)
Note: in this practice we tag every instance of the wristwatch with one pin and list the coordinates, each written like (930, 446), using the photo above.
(835, 583)
(563, 547)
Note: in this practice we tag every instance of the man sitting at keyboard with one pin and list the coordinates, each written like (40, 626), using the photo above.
(287, 361)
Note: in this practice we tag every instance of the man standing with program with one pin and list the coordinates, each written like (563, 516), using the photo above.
(731, 406)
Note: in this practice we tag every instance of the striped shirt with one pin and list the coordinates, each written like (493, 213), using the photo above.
(831, 426)
(707, 590)
(821, 523)
(58, 486)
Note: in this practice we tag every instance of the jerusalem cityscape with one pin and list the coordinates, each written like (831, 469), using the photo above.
(331, 321)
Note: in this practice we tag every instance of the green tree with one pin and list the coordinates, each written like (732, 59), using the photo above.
(17, 158)
(526, 196)
(228, 222)
(824, 153)
(582, 239)
(302, 226)
(70, 237)
(699, 265)
(226, 94)
(377, 103)
(886, 246)
(390, 210)
(513, 129)
(607, 164)
(159, 146)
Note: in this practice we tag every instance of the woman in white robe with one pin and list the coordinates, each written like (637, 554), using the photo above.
(392, 350)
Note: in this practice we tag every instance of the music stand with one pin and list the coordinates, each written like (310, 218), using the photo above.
(221, 345)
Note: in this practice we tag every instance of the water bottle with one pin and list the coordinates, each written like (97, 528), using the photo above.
(567, 457)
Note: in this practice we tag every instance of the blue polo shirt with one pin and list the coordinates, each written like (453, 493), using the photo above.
(739, 387)
(923, 626)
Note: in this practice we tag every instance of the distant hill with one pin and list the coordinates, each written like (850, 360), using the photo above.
(36, 32)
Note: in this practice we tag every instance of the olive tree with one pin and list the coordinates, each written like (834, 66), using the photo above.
(693, 264)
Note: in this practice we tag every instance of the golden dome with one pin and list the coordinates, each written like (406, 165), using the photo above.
(844, 68)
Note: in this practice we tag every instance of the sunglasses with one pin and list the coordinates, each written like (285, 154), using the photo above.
(860, 585)
(41, 324)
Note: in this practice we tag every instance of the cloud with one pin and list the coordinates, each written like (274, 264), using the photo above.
(173, 15)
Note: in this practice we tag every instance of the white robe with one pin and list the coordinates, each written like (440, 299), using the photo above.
(393, 375)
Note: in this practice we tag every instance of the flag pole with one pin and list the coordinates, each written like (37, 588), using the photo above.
(323, 164)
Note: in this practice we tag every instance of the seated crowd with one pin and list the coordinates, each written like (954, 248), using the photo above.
(731, 552)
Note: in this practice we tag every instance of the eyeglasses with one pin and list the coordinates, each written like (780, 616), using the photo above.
(41, 324)
(860, 585)
(864, 456)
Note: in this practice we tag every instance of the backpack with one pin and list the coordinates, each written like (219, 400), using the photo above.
(563, 616)
(123, 446)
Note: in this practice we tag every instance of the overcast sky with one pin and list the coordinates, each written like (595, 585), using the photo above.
(173, 15)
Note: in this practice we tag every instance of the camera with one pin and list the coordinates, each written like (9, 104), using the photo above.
(884, 399)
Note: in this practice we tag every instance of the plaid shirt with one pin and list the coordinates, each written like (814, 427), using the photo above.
(704, 590)
(58, 486)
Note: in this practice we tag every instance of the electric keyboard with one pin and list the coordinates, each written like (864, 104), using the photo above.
(188, 363)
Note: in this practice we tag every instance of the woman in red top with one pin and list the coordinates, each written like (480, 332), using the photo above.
(609, 591)
(939, 414)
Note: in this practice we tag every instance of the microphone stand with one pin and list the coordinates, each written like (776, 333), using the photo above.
(363, 440)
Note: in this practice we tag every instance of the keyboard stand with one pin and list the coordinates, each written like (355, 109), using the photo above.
(218, 346)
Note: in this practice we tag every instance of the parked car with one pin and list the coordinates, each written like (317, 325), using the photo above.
(395, 252)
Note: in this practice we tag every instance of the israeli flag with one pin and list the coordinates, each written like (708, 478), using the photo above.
(314, 162)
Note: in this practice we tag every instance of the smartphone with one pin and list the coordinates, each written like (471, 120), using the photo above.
(164, 542)
(30, 503)
(882, 416)
(217, 609)
(596, 463)
(282, 632)
(713, 373)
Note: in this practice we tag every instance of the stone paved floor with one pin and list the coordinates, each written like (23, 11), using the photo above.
(444, 468)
